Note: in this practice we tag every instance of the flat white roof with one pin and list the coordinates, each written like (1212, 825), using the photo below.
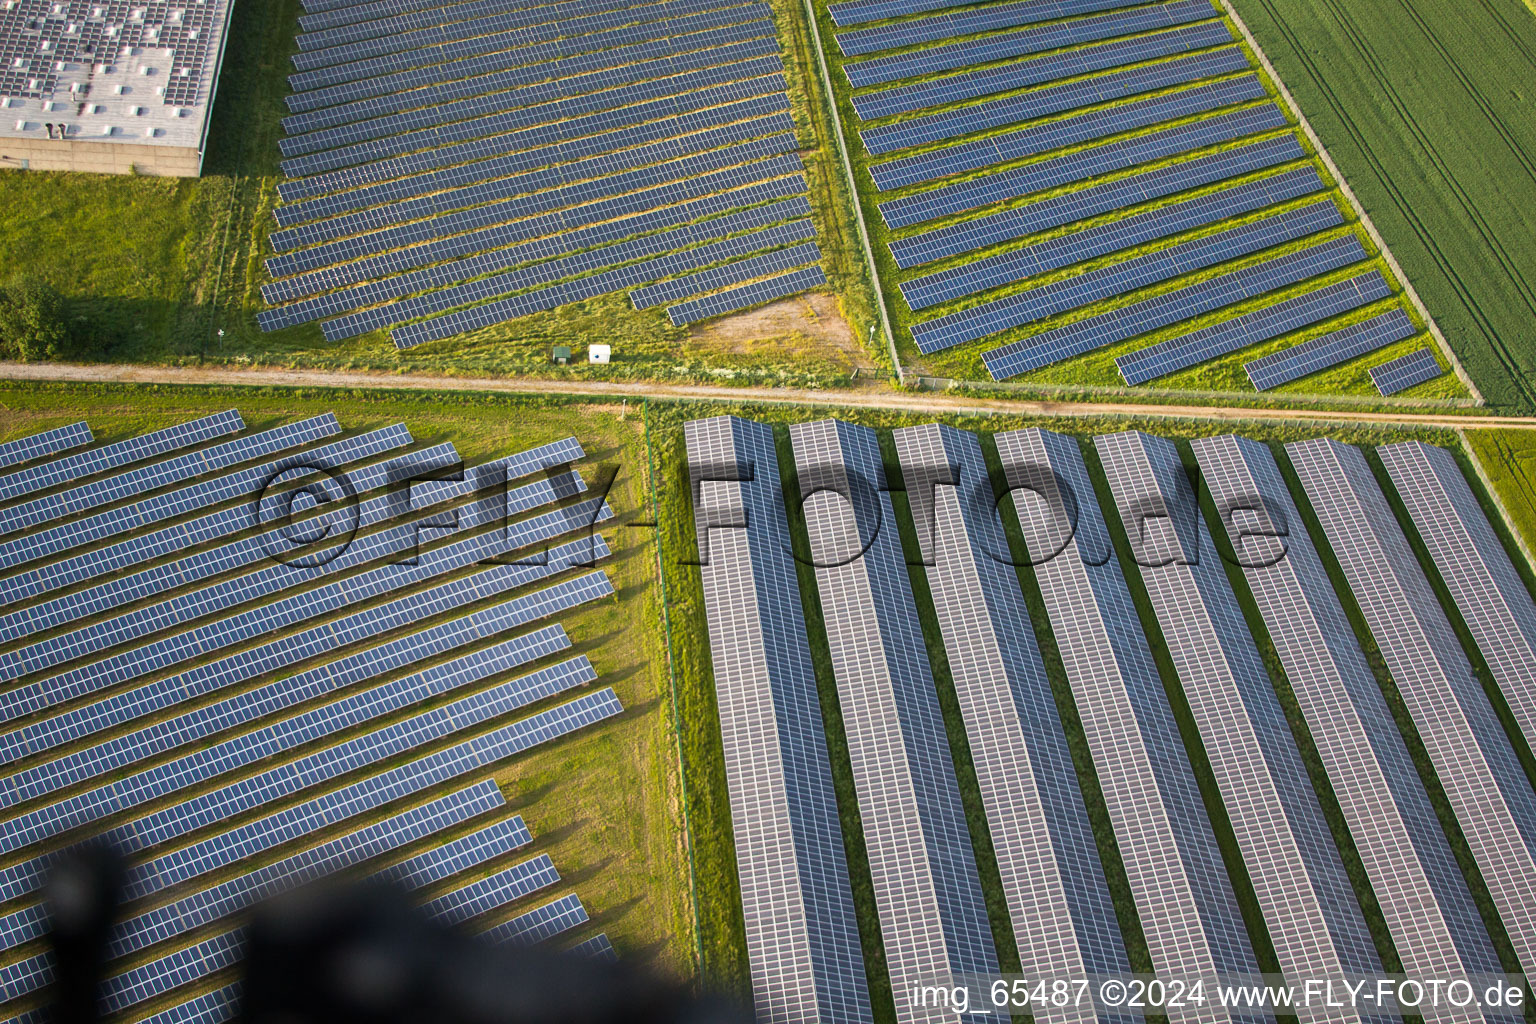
(114, 71)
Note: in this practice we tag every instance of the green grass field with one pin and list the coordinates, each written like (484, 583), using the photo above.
(1097, 369)
(604, 803)
(1509, 459)
(721, 937)
(1425, 107)
(168, 271)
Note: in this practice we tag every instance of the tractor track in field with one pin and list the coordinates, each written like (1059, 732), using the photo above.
(926, 403)
(1500, 350)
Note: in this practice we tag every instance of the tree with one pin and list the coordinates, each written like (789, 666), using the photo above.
(33, 324)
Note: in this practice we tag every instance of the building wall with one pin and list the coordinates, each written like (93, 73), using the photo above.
(99, 157)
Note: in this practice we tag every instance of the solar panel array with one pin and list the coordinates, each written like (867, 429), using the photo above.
(928, 895)
(1016, 138)
(1407, 371)
(1424, 900)
(1187, 907)
(1314, 920)
(1331, 349)
(49, 442)
(1053, 882)
(379, 644)
(1484, 783)
(802, 940)
(445, 168)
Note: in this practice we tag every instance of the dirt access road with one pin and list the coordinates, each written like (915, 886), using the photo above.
(933, 403)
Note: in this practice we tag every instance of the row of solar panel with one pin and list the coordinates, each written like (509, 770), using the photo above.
(747, 296)
(501, 71)
(563, 292)
(509, 12)
(1408, 371)
(988, 19)
(1034, 71)
(49, 442)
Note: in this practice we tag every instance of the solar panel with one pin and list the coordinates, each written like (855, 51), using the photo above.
(984, 19)
(1251, 328)
(301, 819)
(1331, 349)
(1004, 78)
(927, 893)
(1125, 277)
(1302, 889)
(1087, 243)
(954, 239)
(217, 1007)
(1052, 99)
(747, 296)
(1474, 566)
(434, 865)
(1078, 166)
(564, 269)
(113, 456)
(1187, 908)
(1052, 881)
(49, 442)
(720, 277)
(496, 312)
(1484, 784)
(494, 891)
(1406, 371)
(539, 925)
(802, 942)
(510, 12)
(1425, 902)
(852, 12)
(1077, 128)
(1171, 307)
(597, 948)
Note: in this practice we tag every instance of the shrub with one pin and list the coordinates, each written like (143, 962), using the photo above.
(32, 321)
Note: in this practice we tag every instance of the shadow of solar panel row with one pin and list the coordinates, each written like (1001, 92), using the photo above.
(990, 229)
(210, 905)
(569, 22)
(558, 99)
(441, 862)
(1123, 278)
(493, 892)
(1405, 372)
(719, 277)
(242, 751)
(1014, 145)
(174, 868)
(376, 180)
(983, 19)
(551, 245)
(855, 12)
(508, 12)
(219, 952)
(122, 752)
(447, 598)
(380, 75)
(1251, 328)
(1079, 166)
(395, 547)
(179, 536)
(514, 168)
(118, 454)
(1087, 243)
(600, 284)
(927, 890)
(382, 253)
(277, 476)
(566, 118)
(175, 470)
(747, 296)
(1171, 307)
(514, 198)
(1331, 349)
(1412, 869)
(240, 484)
(1065, 64)
(1471, 751)
(1053, 99)
(540, 925)
(1300, 883)
(501, 71)
(49, 442)
(169, 650)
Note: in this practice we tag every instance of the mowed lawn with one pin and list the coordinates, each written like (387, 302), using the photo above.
(602, 803)
(1425, 105)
